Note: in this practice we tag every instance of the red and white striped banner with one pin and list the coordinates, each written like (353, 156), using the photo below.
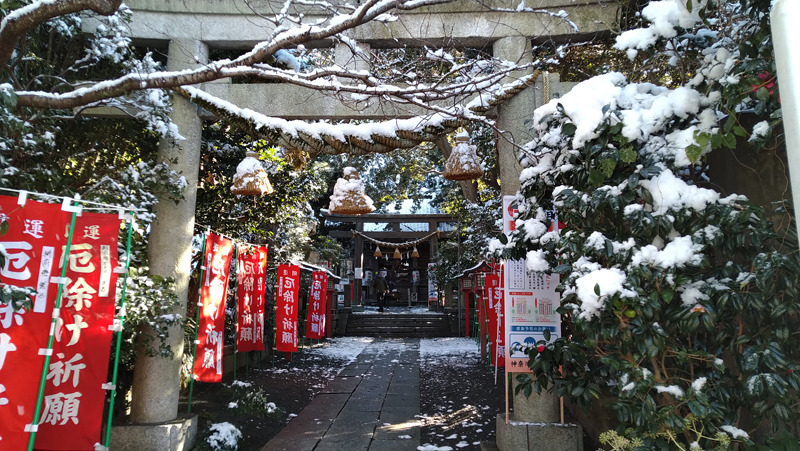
(36, 233)
(286, 302)
(250, 276)
(213, 293)
(72, 411)
(317, 305)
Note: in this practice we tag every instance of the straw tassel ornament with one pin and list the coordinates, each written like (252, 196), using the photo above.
(348, 195)
(251, 178)
(463, 163)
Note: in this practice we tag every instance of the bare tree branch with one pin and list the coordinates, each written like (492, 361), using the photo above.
(367, 12)
(19, 21)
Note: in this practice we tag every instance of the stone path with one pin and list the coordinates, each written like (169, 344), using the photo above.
(371, 405)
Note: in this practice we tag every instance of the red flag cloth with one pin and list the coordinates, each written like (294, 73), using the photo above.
(213, 293)
(286, 302)
(496, 320)
(317, 305)
(250, 276)
(35, 234)
(72, 411)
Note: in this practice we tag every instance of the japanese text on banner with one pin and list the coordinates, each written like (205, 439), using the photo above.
(36, 231)
(213, 294)
(496, 320)
(250, 275)
(286, 304)
(72, 413)
(317, 305)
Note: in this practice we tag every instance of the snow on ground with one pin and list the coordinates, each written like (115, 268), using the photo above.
(449, 346)
(432, 351)
(416, 310)
(344, 348)
(451, 351)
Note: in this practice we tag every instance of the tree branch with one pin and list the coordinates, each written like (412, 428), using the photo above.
(365, 13)
(19, 21)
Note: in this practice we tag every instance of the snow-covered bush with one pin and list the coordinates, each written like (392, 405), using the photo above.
(249, 400)
(676, 302)
(223, 437)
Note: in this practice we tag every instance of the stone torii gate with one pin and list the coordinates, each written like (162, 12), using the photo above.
(190, 29)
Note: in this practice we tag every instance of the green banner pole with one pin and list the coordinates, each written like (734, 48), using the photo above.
(476, 321)
(274, 330)
(119, 331)
(54, 322)
(197, 318)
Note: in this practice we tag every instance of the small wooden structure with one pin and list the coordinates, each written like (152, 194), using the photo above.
(471, 281)
(408, 276)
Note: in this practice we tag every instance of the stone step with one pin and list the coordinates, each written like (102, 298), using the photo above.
(398, 325)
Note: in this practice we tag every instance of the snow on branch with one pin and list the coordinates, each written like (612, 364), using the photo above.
(377, 137)
(22, 19)
(19, 21)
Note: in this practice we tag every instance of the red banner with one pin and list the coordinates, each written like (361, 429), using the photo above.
(35, 234)
(496, 320)
(211, 327)
(72, 411)
(286, 302)
(250, 276)
(317, 305)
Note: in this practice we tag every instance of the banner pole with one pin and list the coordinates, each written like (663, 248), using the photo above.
(119, 331)
(53, 323)
(508, 383)
(197, 318)
(236, 309)
(486, 326)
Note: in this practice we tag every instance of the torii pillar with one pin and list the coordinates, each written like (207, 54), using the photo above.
(535, 422)
(156, 380)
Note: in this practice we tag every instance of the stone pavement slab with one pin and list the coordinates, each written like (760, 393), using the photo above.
(371, 405)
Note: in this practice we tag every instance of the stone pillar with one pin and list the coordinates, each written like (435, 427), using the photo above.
(533, 424)
(513, 114)
(156, 379)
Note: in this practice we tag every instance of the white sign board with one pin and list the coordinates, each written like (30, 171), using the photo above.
(531, 301)
(433, 293)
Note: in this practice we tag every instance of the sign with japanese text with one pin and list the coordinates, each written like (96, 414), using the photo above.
(251, 277)
(286, 303)
(496, 317)
(213, 291)
(36, 233)
(72, 412)
(317, 305)
(433, 293)
(531, 301)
